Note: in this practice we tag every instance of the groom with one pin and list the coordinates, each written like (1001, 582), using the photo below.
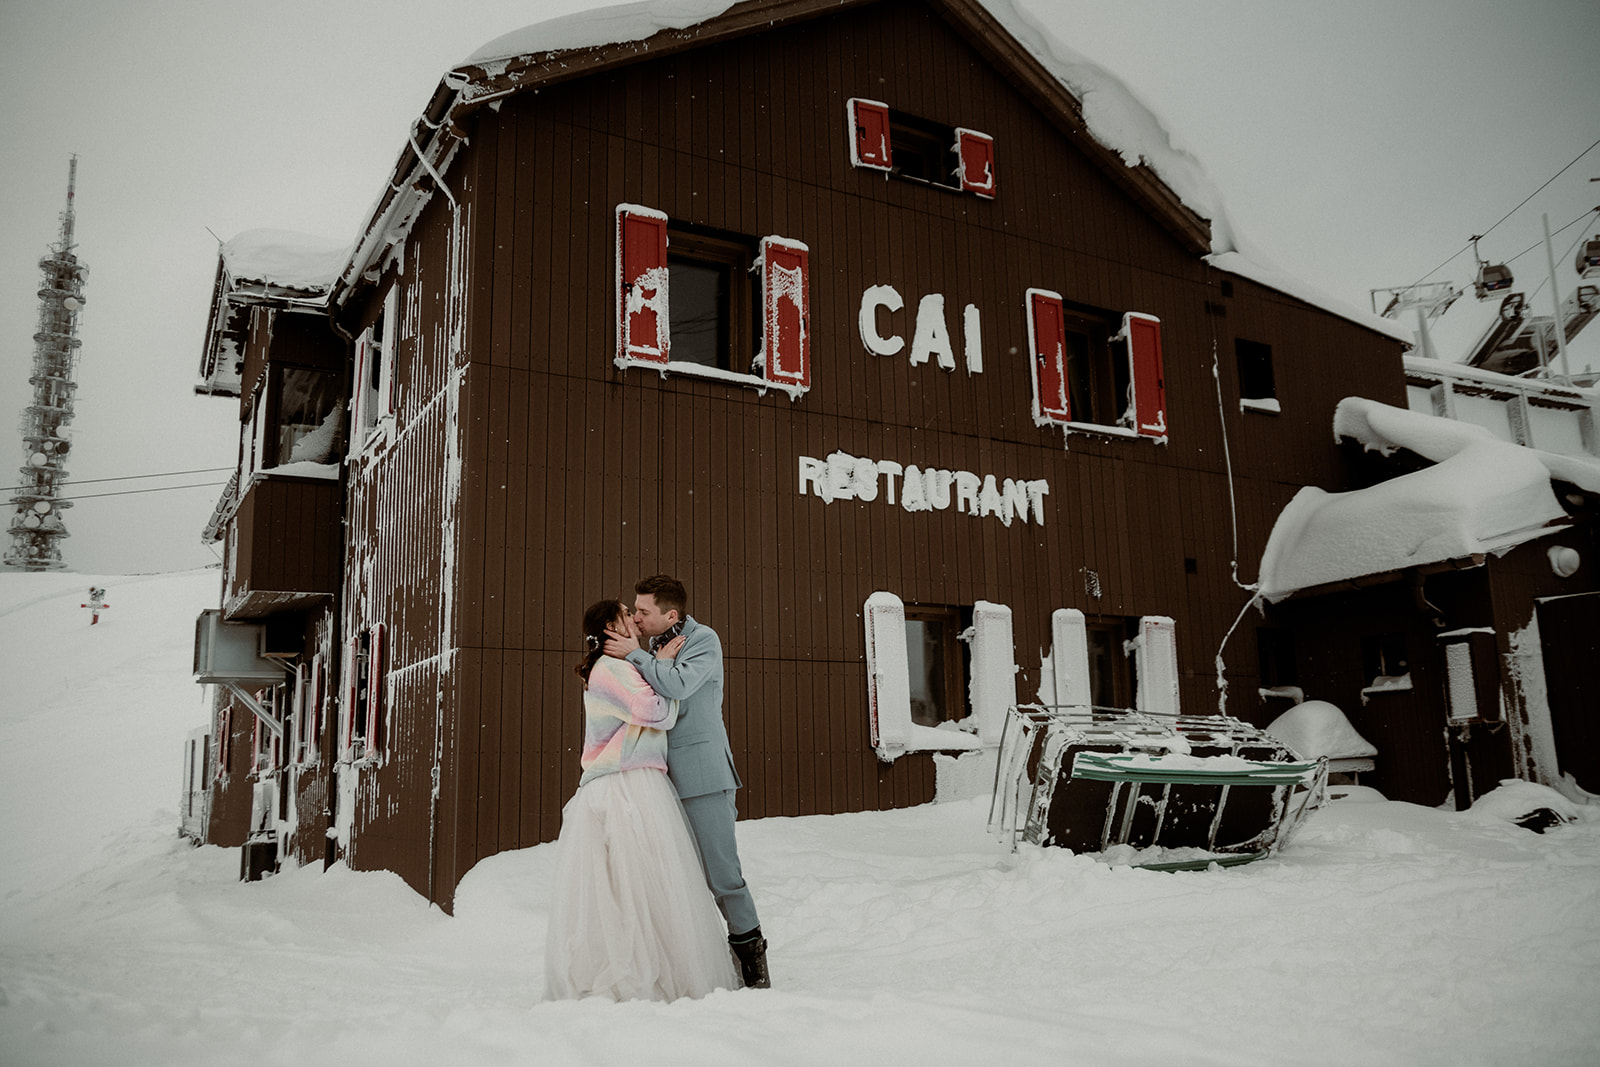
(699, 760)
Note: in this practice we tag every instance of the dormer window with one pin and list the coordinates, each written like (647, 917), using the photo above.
(916, 149)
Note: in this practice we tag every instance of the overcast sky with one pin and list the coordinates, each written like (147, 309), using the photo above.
(1358, 144)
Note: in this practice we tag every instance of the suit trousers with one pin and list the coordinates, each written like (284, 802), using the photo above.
(711, 817)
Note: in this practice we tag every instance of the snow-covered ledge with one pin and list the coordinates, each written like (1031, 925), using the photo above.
(699, 370)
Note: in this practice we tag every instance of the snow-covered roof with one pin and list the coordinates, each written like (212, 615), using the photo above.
(1482, 496)
(1257, 268)
(617, 24)
(285, 259)
(1114, 115)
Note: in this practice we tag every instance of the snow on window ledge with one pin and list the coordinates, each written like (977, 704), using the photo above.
(377, 441)
(1267, 405)
(700, 370)
(299, 469)
(1095, 429)
(1386, 683)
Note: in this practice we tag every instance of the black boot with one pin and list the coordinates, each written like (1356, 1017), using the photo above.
(751, 951)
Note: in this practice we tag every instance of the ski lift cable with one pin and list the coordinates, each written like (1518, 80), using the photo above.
(124, 478)
(1507, 215)
(1557, 233)
(1544, 281)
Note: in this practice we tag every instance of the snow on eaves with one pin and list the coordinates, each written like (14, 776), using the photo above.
(1256, 267)
(285, 259)
(1481, 496)
(617, 24)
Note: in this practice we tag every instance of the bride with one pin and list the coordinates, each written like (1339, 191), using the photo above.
(630, 915)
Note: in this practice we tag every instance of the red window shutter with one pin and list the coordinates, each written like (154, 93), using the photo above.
(976, 152)
(1143, 333)
(1047, 334)
(869, 134)
(375, 683)
(786, 311)
(642, 318)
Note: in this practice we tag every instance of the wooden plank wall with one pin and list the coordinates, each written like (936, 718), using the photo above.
(578, 478)
(399, 545)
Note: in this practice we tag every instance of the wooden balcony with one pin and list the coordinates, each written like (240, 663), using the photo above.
(283, 546)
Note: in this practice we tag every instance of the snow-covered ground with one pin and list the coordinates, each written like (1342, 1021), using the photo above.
(1386, 934)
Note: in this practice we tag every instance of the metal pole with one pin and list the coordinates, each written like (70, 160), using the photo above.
(1555, 297)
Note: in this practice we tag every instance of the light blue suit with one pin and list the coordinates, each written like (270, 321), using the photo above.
(700, 763)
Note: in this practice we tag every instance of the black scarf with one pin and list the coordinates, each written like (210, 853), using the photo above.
(662, 638)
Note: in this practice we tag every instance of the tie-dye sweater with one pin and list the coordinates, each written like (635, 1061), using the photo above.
(625, 722)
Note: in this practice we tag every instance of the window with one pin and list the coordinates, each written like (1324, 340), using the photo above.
(1089, 372)
(373, 389)
(309, 422)
(919, 150)
(1275, 658)
(1112, 676)
(937, 664)
(916, 673)
(1257, 391)
(1384, 656)
(267, 747)
(1108, 661)
(692, 297)
(713, 293)
(364, 728)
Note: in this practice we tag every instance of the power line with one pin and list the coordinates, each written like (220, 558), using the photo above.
(125, 478)
(157, 489)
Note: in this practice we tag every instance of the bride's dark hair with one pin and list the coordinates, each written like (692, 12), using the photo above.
(601, 613)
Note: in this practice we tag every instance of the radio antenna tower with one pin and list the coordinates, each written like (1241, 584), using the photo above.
(36, 528)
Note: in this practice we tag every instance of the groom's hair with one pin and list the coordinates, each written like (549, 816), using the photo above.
(669, 592)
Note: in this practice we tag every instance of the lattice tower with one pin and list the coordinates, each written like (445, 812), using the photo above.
(36, 526)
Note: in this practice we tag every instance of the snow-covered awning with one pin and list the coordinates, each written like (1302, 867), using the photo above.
(1483, 496)
(284, 259)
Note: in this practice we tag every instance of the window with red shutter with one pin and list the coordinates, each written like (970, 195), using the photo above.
(975, 153)
(1090, 375)
(739, 309)
(1048, 349)
(1143, 335)
(786, 312)
(642, 299)
(920, 150)
(869, 134)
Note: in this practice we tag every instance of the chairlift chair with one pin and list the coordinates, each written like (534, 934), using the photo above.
(1492, 278)
(1182, 792)
(1589, 258)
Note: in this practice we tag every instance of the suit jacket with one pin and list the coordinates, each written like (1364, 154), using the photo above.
(699, 760)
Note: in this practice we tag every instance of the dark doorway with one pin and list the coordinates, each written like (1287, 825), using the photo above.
(1569, 633)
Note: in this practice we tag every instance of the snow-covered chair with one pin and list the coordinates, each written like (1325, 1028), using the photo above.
(1316, 728)
(1158, 791)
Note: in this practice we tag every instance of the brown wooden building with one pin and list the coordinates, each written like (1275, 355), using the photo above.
(837, 311)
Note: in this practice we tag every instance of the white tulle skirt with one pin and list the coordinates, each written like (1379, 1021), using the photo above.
(631, 917)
